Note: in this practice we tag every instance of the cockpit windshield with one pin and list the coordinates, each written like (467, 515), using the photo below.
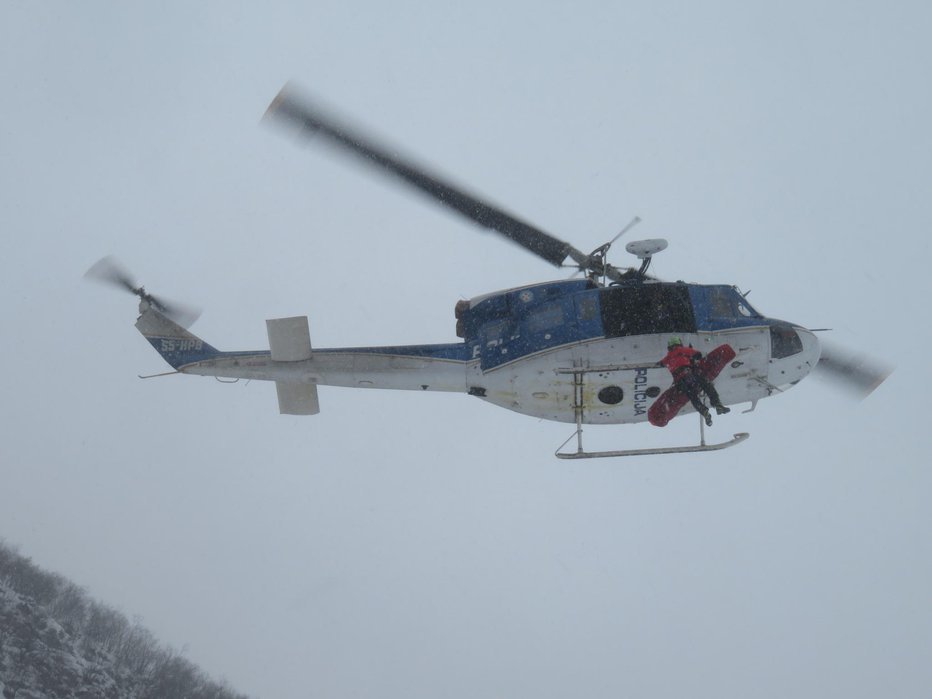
(719, 307)
(726, 302)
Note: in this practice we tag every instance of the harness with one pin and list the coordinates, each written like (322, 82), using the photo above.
(682, 372)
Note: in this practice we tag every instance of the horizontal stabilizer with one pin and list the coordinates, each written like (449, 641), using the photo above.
(297, 398)
(289, 339)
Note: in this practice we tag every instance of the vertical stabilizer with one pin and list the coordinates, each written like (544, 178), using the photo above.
(177, 346)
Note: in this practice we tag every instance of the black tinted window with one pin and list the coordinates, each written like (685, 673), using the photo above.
(646, 309)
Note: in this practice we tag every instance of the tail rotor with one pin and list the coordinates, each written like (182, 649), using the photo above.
(108, 270)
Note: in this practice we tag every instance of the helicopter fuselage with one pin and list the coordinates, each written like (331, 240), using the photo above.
(560, 350)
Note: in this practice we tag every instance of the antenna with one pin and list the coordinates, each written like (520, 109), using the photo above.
(644, 250)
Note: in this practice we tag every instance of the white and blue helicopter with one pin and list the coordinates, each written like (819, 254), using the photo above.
(580, 350)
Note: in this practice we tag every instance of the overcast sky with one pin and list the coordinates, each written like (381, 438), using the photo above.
(429, 545)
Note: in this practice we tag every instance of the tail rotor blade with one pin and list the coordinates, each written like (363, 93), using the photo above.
(107, 270)
(182, 314)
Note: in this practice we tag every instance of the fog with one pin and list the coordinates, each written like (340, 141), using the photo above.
(424, 545)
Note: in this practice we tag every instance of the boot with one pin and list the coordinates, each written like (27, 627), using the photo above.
(721, 409)
(708, 418)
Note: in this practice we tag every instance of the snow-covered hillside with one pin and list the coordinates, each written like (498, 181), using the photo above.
(57, 643)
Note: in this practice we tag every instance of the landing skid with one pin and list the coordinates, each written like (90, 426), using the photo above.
(579, 373)
(581, 453)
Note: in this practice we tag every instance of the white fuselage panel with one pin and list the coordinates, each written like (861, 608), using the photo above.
(544, 385)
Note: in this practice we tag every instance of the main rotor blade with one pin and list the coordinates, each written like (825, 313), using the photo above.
(857, 373)
(292, 108)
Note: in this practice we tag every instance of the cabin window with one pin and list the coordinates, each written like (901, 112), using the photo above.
(545, 318)
(495, 332)
(588, 309)
(784, 341)
(646, 309)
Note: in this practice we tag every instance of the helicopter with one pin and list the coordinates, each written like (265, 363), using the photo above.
(581, 350)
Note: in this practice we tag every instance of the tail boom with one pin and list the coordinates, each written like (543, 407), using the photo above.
(291, 360)
(355, 368)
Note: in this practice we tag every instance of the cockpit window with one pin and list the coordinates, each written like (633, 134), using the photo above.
(784, 341)
(720, 303)
(726, 302)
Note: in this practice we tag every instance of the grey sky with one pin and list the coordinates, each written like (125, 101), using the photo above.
(426, 545)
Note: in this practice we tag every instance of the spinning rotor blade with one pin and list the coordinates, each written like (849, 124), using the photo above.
(290, 108)
(856, 373)
(108, 270)
(182, 314)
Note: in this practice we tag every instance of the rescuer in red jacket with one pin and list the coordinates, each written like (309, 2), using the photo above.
(681, 361)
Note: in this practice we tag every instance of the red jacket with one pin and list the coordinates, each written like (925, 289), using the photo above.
(679, 357)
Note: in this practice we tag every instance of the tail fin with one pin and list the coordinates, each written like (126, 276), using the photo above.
(177, 346)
